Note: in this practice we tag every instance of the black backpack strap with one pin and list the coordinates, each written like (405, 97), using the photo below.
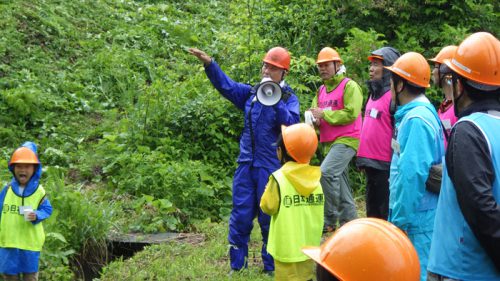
(445, 132)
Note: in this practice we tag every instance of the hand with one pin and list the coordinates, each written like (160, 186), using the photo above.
(433, 183)
(317, 122)
(317, 113)
(32, 216)
(202, 56)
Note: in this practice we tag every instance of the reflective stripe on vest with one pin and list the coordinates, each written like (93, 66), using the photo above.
(15, 232)
(455, 251)
(298, 223)
(376, 133)
(334, 100)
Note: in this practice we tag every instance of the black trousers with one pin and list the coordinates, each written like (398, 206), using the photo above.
(377, 193)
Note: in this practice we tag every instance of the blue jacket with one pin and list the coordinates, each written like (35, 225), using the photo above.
(420, 144)
(262, 123)
(14, 261)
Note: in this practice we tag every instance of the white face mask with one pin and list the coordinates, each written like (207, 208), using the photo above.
(342, 70)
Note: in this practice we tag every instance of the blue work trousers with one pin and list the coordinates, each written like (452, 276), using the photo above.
(422, 244)
(248, 186)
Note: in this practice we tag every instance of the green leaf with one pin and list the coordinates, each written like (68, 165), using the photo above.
(57, 236)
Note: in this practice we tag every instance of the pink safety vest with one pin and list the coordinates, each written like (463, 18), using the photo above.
(376, 134)
(335, 101)
(448, 119)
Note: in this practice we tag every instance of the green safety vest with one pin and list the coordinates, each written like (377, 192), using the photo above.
(298, 223)
(15, 232)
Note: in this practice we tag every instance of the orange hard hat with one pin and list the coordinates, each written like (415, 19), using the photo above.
(371, 57)
(368, 249)
(279, 57)
(328, 54)
(445, 53)
(300, 141)
(412, 67)
(24, 155)
(478, 59)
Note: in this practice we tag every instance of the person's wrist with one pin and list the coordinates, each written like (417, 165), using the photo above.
(207, 63)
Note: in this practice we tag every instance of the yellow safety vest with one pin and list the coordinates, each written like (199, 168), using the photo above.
(298, 223)
(15, 232)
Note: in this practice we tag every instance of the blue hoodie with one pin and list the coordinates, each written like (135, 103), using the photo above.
(420, 145)
(15, 261)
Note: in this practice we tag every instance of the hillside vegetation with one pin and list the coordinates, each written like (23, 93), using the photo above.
(132, 136)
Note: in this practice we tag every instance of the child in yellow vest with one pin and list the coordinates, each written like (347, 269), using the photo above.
(294, 198)
(23, 206)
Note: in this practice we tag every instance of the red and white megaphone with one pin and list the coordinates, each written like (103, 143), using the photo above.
(268, 92)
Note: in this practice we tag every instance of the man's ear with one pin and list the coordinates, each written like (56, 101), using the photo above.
(399, 86)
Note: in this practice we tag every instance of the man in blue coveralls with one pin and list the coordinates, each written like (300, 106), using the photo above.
(257, 159)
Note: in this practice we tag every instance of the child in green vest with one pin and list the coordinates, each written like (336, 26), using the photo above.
(294, 198)
(23, 206)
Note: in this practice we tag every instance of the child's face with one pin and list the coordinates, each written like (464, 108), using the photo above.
(23, 172)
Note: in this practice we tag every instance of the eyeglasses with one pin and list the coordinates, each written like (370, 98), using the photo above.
(271, 67)
(447, 79)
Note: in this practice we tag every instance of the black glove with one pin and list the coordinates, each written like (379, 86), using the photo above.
(285, 96)
(433, 183)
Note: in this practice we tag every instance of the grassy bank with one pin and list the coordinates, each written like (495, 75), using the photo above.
(132, 136)
(199, 256)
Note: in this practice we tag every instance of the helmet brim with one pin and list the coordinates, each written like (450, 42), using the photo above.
(25, 162)
(313, 252)
(275, 64)
(372, 57)
(401, 74)
(327, 60)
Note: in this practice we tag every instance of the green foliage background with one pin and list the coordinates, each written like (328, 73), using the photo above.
(132, 134)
